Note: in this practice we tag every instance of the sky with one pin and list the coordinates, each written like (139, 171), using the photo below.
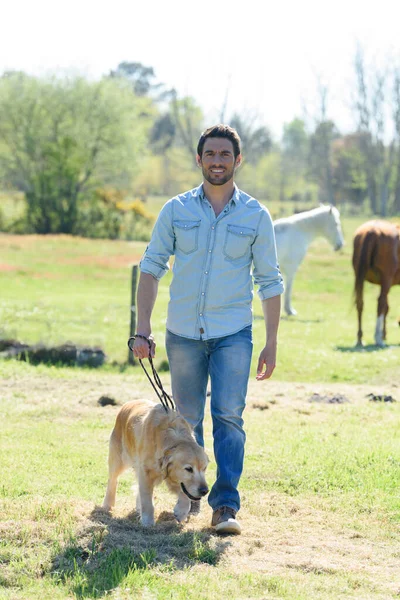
(264, 58)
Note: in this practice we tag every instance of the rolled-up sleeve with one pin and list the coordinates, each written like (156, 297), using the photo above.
(266, 271)
(161, 246)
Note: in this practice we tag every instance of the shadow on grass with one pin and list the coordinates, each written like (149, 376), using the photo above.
(367, 348)
(112, 550)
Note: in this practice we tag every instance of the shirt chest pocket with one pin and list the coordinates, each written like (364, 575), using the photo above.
(187, 235)
(237, 241)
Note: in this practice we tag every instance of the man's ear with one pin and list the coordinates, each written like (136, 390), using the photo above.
(198, 160)
(239, 159)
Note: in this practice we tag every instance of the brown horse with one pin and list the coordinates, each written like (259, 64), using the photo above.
(376, 258)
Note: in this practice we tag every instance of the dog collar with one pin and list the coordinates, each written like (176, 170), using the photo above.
(184, 490)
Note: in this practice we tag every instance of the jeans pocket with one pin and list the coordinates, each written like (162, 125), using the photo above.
(237, 241)
(186, 235)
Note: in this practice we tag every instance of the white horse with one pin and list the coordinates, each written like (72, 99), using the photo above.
(293, 236)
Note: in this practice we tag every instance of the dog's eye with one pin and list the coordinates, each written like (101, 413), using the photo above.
(189, 469)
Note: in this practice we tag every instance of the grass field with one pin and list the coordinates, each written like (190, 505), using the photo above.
(57, 288)
(320, 502)
(320, 490)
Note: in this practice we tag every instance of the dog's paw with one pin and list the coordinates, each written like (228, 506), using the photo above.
(182, 508)
(181, 513)
(181, 516)
(147, 520)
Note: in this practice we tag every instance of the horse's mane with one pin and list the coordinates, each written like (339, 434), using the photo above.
(307, 214)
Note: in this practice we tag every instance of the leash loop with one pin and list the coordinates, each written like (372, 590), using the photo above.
(164, 398)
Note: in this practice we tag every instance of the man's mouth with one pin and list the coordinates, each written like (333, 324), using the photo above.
(217, 170)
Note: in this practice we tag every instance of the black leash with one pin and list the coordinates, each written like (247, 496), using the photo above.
(164, 398)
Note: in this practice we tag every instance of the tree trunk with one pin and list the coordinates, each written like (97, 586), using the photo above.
(396, 205)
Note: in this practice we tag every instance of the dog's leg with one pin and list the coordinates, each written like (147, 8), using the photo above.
(146, 486)
(182, 507)
(115, 468)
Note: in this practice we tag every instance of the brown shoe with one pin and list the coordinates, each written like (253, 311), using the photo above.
(224, 520)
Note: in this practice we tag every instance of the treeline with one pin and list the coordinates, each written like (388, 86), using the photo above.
(87, 154)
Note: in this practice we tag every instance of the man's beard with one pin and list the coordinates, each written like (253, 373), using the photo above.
(220, 180)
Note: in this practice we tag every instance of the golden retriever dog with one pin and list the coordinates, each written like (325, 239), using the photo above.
(160, 446)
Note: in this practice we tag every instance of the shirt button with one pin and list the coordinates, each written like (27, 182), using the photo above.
(206, 272)
(213, 227)
(202, 293)
(201, 314)
(209, 250)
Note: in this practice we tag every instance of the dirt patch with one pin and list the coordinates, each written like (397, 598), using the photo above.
(66, 354)
(84, 390)
(296, 536)
(380, 398)
(5, 268)
(336, 399)
(282, 535)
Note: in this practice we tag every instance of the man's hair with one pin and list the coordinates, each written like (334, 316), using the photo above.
(220, 131)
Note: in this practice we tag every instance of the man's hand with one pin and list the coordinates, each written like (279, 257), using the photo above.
(141, 347)
(268, 360)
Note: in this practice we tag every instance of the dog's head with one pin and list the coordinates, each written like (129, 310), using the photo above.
(185, 465)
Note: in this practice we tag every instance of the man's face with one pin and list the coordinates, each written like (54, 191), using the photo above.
(218, 162)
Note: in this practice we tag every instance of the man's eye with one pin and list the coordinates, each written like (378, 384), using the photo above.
(189, 469)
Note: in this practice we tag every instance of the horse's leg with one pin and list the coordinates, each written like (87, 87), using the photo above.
(383, 309)
(289, 310)
(360, 306)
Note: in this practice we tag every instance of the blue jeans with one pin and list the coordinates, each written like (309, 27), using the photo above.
(226, 361)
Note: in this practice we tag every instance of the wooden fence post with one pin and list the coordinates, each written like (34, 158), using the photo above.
(131, 358)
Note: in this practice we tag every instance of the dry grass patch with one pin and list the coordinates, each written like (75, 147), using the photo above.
(304, 535)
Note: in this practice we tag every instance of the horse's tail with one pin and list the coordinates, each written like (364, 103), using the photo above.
(364, 250)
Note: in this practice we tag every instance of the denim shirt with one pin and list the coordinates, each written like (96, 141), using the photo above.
(216, 259)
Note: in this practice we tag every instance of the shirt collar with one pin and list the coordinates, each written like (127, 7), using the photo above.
(235, 196)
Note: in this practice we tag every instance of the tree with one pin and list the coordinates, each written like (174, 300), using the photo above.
(187, 117)
(320, 159)
(348, 168)
(61, 138)
(396, 119)
(294, 155)
(162, 134)
(256, 139)
(139, 77)
(371, 110)
(179, 123)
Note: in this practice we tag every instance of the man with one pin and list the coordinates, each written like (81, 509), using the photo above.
(216, 233)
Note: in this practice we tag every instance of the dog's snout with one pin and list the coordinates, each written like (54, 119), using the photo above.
(203, 491)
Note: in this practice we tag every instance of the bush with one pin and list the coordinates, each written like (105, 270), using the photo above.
(110, 214)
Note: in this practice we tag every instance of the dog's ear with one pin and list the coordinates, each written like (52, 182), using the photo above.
(165, 461)
(179, 428)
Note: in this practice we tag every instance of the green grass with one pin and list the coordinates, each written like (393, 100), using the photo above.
(57, 289)
(320, 502)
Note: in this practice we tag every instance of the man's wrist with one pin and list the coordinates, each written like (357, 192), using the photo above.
(146, 331)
